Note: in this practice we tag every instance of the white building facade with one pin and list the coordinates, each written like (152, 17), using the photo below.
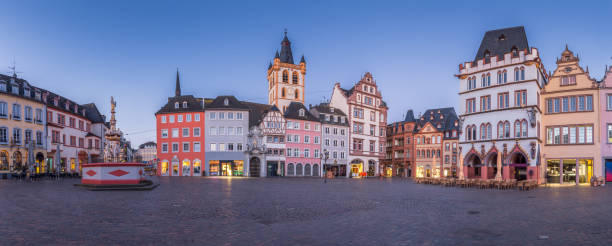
(499, 108)
(367, 116)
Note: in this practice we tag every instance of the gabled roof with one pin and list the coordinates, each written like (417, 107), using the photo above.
(445, 118)
(232, 103)
(193, 105)
(150, 143)
(501, 41)
(21, 84)
(293, 112)
(93, 114)
(257, 111)
(324, 109)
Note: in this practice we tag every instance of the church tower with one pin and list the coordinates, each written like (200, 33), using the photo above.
(285, 78)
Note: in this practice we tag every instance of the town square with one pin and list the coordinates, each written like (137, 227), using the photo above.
(276, 123)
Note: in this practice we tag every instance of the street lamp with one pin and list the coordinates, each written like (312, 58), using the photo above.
(324, 157)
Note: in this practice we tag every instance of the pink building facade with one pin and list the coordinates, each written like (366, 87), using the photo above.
(303, 142)
(605, 98)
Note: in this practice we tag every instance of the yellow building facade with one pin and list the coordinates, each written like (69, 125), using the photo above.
(570, 123)
(21, 124)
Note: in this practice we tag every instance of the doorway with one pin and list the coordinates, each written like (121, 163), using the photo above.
(254, 167)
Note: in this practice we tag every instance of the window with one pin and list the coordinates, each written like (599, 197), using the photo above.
(485, 103)
(28, 113)
(285, 76)
(609, 133)
(39, 137)
(196, 117)
(306, 153)
(316, 139)
(230, 131)
(470, 105)
(175, 133)
(16, 112)
(503, 100)
(196, 147)
(302, 112)
(164, 133)
(212, 131)
(516, 74)
(171, 118)
(221, 130)
(571, 134)
(230, 115)
(16, 136)
(184, 104)
(306, 126)
(568, 80)
(212, 115)
(179, 118)
(188, 118)
(213, 147)
(520, 98)
(296, 153)
(296, 125)
(186, 147)
(164, 148)
(176, 105)
(239, 116)
(3, 110)
(4, 135)
(306, 139)
(222, 115)
(522, 73)
(196, 131)
(524, 128)
(222, 147)
(239, 131)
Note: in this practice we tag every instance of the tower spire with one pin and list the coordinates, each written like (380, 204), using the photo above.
(178, 84)
(286, 56)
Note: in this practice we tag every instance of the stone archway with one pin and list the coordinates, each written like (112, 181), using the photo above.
(518, 165)
(490, 164)
(473, 165)
(254, 167)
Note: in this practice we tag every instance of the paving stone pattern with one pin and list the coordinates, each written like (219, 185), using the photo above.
(301, 211)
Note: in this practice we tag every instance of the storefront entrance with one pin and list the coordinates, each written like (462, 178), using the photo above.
(565, 171)
(608, 170)
(226, 168)
(356, 168)
(254, 167)
(272, 169)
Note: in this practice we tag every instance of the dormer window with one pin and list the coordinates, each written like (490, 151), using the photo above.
(26, 92)
(14, 88)
(327, 117)
(502, 37)
(441, 116)
(184, 104)
(302, 112)
(439, 126)
(176, 105)
(487, 54)
(331, 110)
(2, 86)
(226, 102)
(514, 51)
(567, 58)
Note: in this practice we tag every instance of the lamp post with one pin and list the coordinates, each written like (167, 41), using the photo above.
(460, 160)
(324, 157)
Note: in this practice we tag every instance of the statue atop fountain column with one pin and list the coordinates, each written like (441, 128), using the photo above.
(113, 151)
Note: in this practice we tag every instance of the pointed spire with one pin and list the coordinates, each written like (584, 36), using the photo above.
(177, 91)
(566, 47)
(286, 56)
(302, 60)
(270, 65)
(587, 69)
(276, 55)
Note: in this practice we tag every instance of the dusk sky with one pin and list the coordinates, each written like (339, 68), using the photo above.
(88, 51)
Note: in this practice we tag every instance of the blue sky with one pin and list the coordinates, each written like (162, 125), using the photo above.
(90, 50)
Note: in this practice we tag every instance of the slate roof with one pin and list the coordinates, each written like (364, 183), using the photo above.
(232, 103)
(286, 56)
(322, 109)
(21, 84)
(193, 105)
(501, 41)
(93, 114)
(409, 116)
(257, 111)
(147, 144)
(293, 110)
(446, 122)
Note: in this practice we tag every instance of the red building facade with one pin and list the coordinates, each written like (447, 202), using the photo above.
(399, 148)
(180, 135)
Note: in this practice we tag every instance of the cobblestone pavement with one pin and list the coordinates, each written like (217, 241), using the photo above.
(301, 211)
